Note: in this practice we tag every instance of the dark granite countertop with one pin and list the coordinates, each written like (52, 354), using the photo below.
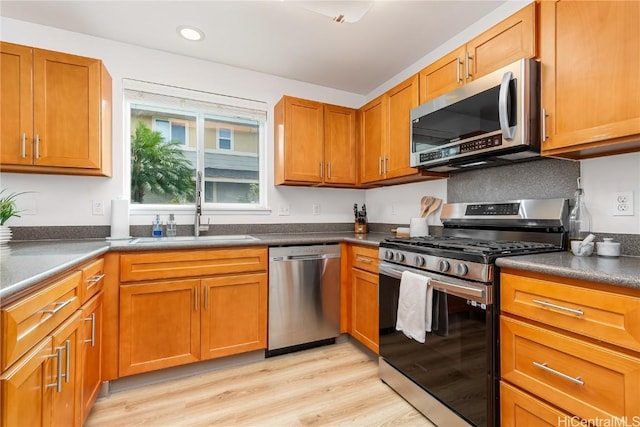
(30, 262)
(621, 271)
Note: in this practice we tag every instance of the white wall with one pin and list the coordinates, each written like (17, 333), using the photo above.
(67, 200)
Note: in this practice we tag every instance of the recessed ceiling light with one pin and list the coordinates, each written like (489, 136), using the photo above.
(190, 33)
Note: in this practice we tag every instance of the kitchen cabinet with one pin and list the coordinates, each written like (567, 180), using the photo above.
(364, 296)
(385, 129)
(570, 345)
(179, 307)
(43, 359)
(91, 357)
(504, 43)
(315, 143)
(56, 112)
(591, 89)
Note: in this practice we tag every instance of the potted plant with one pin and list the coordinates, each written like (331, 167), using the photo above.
(8, 210)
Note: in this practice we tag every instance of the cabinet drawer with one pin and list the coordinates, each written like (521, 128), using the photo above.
(578, 377)
(92, 279)
(173, 264)
(365, 258)
(605, 316)
(518, 408)
(27, 321)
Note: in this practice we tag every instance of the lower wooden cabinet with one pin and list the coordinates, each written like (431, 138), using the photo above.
(364, 296)
(519, 409)
(91, 354)
(165, 323)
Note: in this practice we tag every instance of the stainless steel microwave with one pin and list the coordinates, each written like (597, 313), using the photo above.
(490, 121)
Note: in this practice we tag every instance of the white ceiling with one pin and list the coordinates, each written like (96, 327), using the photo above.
(276, 36)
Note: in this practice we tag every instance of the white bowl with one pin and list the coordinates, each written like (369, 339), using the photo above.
(608, 248)
(584, 250)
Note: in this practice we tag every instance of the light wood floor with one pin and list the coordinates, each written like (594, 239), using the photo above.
(332, 385)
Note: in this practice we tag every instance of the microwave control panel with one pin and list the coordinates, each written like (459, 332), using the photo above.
(463, 148)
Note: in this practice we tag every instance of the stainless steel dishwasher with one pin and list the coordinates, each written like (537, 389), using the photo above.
(304, 297)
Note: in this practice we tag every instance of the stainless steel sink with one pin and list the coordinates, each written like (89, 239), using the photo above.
(178, 239)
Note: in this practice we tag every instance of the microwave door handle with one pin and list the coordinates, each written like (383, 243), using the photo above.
(503, 112)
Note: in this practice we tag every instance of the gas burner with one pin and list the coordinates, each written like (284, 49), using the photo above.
(484, 247)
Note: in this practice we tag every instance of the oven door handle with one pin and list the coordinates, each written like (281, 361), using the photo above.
(460, 290)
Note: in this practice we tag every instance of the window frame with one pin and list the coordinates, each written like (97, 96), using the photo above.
(218, 138)
(145, 88)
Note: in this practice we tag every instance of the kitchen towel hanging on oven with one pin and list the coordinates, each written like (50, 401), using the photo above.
(414, 306)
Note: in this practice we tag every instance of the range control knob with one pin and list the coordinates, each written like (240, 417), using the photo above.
(388, 255)
(420, 261)
(399, 257)
(444, 266)
(462, 269)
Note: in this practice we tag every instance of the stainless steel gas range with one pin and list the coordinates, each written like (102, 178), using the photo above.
(452, 378)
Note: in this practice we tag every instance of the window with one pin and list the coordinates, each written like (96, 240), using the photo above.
(175, 133)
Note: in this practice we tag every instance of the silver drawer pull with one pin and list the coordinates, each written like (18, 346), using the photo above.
(559, 307)
(67, 350)
(95, 278)
(365, 260)
(544, 366)
(59, 306)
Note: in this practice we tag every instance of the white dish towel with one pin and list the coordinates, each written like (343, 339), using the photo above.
(414, 306)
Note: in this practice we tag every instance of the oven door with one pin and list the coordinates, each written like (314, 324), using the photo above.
(456, 364)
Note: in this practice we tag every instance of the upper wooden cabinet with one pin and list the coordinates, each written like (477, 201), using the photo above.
(590, 77)
(504, 43)
(56, 112)
(385, 135)
(315, 143)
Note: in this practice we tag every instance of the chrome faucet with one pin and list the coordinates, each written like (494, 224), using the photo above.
(197, 226)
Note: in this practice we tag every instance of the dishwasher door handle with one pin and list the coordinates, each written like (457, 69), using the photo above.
(304, 257)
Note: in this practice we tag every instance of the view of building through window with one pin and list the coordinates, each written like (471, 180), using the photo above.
(170, 143)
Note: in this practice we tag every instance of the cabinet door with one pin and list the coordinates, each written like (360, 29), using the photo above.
(373, 139)
(91, 358)
(234, 315)
(340, 145)
(402, 99)
(590, 88)
(159, 325)
(65, 403)
(16, 97)
(25, 395)
(506, 42)
(299, 145)
(67, 116)
(442, 76)
(364, 310)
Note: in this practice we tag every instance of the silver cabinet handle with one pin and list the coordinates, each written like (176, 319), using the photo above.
(466, 64)
(503, 112)
(37, 146)
(95, 278)
(458, 70)
(59, 306)
(23, 148)
(365, 260)
(67, 350)
(379, 165)
(559, 307)
(58, 383)
(195, 298)
(544, 366)
(328, 170)
(321, 169)
(543, 123)
(92, 319)
(206, 297)
(385, 168)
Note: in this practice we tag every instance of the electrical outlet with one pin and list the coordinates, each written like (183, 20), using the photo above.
(97, 207)
(284, 209)
(623, 203)
(315, 208)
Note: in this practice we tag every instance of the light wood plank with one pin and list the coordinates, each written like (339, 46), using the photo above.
(333, 385)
